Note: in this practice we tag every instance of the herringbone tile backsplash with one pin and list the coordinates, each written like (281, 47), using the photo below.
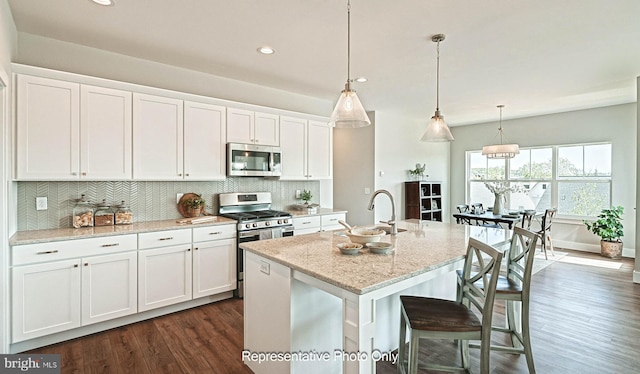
(149, 201)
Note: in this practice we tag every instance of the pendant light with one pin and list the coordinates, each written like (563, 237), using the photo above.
(500, 150)
(349, 112)
(437, 131)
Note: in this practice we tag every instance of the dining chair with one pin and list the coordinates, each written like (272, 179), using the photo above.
(527, 218)
(545, 231)
(468, 318)
(515, 287)
(463, 208)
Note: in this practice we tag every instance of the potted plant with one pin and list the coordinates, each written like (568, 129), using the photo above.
(306, 196)
(418, 172)
(193, 207)
(608, 227)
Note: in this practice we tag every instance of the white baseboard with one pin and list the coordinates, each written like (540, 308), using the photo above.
(595, 248)
(636, 276)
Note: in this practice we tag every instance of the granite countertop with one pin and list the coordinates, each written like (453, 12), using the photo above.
(426, 245)
(321, 212)
(51, 235)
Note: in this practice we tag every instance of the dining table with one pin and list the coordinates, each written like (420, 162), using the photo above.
(482, 218)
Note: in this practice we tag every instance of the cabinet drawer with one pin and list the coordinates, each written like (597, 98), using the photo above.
(52, 251)
(164, 238)
(306, 222)
(332, 219)
(203, 234)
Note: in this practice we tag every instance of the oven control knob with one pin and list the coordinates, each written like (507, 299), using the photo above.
(255, 225)
(285, 221)
(279, 222)
(267, 223)
(247, 226)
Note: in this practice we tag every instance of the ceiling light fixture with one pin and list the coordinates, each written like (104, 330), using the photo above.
(104, 2)
(266, 50)
(349, 112)
(501, 150)
(437, 131)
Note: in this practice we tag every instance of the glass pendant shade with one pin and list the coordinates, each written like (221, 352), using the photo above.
(437, 131)
(349, 112)
(501, 150)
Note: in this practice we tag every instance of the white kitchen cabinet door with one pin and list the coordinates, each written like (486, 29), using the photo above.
(157, 138)
(331, 221)
(204, 141)
(214, 267)
(306, 225)
(47, 132)
(105, 131)
(45, 299)
(164, 276)
(240, 126)
(267, 129)
(320, 150)
(109, 287)
(293, 139)
(249, 127)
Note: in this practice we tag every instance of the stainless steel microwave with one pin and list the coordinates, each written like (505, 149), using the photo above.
(250, 160)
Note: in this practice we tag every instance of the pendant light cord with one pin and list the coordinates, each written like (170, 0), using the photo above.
(500, 125)
(438, 77)
(348, 42)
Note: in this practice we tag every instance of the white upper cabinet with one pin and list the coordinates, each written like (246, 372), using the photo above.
(293, 139)
(105, 133)
(204, 141)
(249, 127)
(67, 131)
(320, 150)
(306, 149)
(157, 138)
(48, 126)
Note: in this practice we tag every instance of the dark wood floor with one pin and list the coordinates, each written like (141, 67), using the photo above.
(585, 319)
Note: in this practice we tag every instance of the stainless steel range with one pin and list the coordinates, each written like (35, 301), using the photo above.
(256, 221)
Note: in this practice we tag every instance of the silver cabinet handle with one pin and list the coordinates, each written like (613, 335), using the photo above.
(215, 233)
(47, 252)
(75, 265)
(169, 238)
(110, 245)
(306, 223)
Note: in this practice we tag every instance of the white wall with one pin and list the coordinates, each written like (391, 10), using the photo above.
(8, 37)
(616, 124)
(391, 146)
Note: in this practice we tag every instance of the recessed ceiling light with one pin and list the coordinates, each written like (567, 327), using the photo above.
(104, 2)
(361, 79)
(266, 50)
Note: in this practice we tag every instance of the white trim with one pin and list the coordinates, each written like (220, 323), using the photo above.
(636, 276)
(594, 248)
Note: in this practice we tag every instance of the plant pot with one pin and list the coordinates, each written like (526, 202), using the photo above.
(611, 249)
(192, 212)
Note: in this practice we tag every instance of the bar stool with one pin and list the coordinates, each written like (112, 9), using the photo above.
(433, 318)
(516, 287)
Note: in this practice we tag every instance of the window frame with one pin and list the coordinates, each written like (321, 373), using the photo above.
(555, 181)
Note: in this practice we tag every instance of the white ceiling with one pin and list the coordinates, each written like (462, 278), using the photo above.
(533, 56)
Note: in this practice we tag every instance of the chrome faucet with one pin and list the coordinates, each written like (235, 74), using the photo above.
(392, 221)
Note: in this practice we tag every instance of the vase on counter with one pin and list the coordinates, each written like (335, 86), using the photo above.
(498, 204)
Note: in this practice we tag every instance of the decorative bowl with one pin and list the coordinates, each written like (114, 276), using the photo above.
(349, 248)
(364, 235)
(381, 248)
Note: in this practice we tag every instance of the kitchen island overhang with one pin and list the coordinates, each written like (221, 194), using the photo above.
(341, 313)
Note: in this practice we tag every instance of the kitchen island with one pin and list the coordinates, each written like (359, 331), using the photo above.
(310, 309)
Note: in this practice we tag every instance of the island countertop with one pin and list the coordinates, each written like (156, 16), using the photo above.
(424, 246)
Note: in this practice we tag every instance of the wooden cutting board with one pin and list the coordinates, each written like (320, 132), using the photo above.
(195, 220)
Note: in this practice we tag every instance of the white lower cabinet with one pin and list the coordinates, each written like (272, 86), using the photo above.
(54, 289)
(306, 225)
(46, 299)
(109, 287)
(331, 221)
(164, 276)
(214, 267)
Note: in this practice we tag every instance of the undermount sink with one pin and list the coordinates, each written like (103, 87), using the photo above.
(387, 229)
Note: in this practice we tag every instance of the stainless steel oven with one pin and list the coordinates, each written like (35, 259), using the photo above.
(256, 221)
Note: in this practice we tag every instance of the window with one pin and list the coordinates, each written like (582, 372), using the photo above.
(576, 178)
